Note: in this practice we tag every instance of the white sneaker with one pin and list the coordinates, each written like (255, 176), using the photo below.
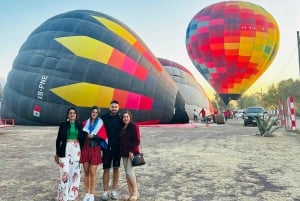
(86, 197)
(114, 195)
(91, 198)
(104, 196)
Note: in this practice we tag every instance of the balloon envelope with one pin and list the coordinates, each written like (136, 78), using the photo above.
(84, 58)
(193, 93)
(232, 44)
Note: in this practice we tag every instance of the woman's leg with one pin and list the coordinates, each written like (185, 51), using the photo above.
(131, 183)
(62, 194)
(86, 168)
(74, 179)
(130, 179)
(93, 178)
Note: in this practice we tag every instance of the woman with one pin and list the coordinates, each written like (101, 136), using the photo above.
(91, 153)
(67, 156)
(129, 145)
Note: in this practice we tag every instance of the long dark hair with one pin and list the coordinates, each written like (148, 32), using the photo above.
(130, 115)
(76, 112)
(131, 119)
(95, 108)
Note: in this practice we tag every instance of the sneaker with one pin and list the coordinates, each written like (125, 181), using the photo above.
(114, 195)
(86, 197)
(91, 198)
(104, 196)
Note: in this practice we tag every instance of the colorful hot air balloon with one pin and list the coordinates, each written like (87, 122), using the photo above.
(85, 58)
(232, 44)
(194, 95)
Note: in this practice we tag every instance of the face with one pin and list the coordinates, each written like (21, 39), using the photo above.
(114, 108)
(94, 113)
(72, 115)
(126, 118)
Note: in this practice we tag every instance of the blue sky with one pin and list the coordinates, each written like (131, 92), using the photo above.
(161, 24)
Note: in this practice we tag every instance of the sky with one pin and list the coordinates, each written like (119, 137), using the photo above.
(161, 24)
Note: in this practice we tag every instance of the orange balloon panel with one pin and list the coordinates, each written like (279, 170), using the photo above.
(232, 44)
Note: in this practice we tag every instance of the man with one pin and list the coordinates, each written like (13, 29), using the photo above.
(195, 116)
(202, 113)
(111, 156)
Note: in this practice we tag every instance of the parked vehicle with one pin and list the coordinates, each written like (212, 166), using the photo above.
(251, 113)
(240, 114)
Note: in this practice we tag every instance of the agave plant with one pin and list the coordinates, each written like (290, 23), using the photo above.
(267, 125)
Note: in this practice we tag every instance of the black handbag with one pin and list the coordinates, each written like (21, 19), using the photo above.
(138, 160)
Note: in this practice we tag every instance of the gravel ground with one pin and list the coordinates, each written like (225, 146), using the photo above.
(225, 162)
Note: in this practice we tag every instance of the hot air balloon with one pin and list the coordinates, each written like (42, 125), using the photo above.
(232, 44)
(194, 95)
(84, 58)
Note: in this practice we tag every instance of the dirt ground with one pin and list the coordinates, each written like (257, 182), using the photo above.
(225, 162)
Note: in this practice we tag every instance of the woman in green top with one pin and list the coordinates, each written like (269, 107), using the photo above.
(69, 141)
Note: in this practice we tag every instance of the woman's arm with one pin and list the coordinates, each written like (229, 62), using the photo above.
(136, 139)
(58, 140)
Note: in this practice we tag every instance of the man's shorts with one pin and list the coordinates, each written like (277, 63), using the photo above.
(110, 159)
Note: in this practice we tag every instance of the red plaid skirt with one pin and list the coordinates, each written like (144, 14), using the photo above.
(92, 155)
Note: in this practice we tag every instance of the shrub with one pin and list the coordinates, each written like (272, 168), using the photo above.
(267, 124)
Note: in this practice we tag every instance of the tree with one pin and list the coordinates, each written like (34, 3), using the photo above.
(271, 98)
(283, 89)
(247, 101)
(288, 88)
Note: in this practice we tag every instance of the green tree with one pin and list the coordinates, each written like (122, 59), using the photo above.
(271, 98)
(288, 88)
(268, 100)
(247, 101)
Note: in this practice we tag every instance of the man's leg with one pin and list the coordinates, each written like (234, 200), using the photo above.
(116, 174)
(105, 179)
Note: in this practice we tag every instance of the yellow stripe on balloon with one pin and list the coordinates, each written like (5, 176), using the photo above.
(231, 46)
(116, 28)
(85, 94)
(87, 47)
(130, 38)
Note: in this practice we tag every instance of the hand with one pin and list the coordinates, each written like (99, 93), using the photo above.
(131, 155)
(56, 159)
(90, 136)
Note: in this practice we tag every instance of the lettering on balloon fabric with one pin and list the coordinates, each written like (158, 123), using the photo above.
(41, 87)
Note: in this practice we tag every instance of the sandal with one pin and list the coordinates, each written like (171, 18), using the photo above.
(126, 197)
(134, 196)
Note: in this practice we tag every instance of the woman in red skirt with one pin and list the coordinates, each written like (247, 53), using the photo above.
(91, 153)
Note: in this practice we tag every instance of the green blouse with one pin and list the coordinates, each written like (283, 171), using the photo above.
(73, 132)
